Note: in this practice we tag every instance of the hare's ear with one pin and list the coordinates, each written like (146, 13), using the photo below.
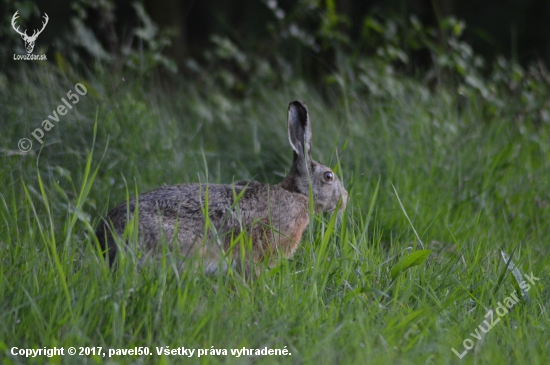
(299, 130)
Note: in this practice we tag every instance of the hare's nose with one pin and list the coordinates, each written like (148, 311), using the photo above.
(344, 202)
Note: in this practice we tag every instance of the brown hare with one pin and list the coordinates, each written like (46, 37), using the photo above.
(273, 218)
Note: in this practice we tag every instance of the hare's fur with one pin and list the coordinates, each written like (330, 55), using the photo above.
(272, 218)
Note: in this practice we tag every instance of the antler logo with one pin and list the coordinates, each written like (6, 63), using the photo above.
(29, 41)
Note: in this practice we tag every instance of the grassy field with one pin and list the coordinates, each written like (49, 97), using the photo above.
(423, 170)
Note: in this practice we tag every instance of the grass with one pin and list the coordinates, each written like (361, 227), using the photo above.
(421, 171)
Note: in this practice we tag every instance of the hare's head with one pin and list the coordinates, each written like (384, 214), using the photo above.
(327, 189)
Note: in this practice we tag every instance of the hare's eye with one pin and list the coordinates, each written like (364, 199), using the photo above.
(328, 176)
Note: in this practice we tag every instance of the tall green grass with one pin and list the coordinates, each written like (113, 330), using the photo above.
(470, 187)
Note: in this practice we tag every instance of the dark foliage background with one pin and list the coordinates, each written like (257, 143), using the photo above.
(519, 30)
(494, 52)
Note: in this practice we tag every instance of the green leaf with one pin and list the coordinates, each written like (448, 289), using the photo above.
(414, 259)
